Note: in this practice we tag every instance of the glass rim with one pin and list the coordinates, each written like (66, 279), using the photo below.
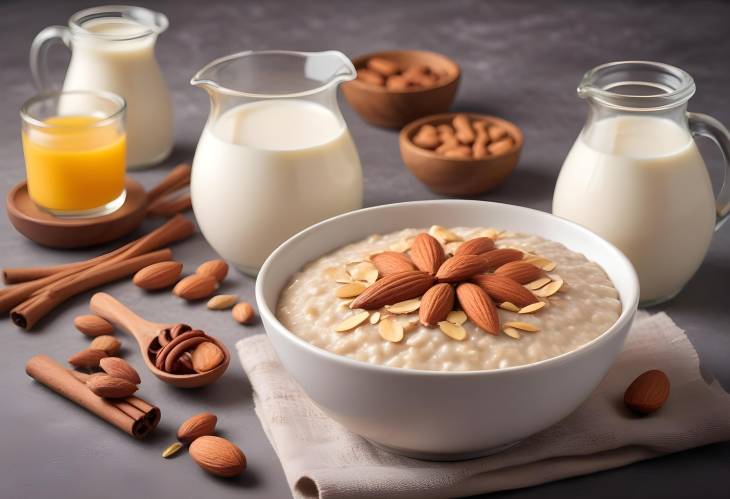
(106, 120)
(666, 97)
(158, 24)
(202, 79)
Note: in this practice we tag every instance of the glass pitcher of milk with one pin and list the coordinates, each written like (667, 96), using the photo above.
(275, 155)
(113, 50)
(635, 176)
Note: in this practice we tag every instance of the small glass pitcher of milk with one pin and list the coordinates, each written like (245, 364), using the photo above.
(635, 176)
(275, 155)
(113, 50)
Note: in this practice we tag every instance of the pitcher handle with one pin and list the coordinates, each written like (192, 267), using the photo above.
(39, 54)
(707, 126)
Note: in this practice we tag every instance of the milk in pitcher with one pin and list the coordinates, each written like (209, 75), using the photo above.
(640, 182)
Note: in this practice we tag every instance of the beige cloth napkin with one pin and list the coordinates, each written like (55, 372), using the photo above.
(322, 459)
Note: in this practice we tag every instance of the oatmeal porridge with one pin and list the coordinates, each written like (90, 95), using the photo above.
(457, 299)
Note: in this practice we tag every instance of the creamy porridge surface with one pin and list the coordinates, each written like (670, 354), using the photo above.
(586, 306)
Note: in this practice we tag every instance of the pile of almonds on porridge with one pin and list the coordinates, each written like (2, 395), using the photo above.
(450, 299)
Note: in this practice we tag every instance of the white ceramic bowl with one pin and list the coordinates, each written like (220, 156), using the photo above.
(444, 415)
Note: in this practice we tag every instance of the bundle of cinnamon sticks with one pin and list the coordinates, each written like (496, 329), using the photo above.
(36, 291)
(131, 414)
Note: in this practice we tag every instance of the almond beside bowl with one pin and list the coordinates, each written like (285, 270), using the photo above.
(443, 415)
(391, 108)
(452, 176)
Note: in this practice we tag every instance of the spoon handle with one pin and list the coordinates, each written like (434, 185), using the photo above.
(111, 309)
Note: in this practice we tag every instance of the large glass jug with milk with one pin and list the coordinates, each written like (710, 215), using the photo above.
(275, 155)
(635, 176)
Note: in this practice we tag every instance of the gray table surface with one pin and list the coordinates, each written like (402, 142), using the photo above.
(521, 60)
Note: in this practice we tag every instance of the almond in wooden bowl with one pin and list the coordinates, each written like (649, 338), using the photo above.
(462, 169)
(392, 105)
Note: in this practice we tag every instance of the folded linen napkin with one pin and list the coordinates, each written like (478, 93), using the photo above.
(323, 459)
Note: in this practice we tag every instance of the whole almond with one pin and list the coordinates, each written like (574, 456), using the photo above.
(216, 268)
(499, 257)
(501, 289)
(436, 304)
(119, 368)
(196, 287)
(222, 302)
(197, 426)
(110, 387)
(158, 275)
(458, 268)
(427, 253)
(87, 359)
(391, 262)
(479, 307)
(522, 272)
(243, 313)
(648, 392)
(476, 246)
(383, 66)
(206, 357)
(93, 325)
(109, 344)
(370, 76)
(218, 456)
(393, 288)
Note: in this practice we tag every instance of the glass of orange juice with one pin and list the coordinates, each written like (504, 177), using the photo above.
(75, 146)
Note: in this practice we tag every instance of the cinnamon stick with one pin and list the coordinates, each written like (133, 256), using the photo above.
(165, 207)
(178, 178)
(28, 313)
(173, 230)
(25, 274)
(72, 386)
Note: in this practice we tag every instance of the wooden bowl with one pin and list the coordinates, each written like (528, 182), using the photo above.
(457, 176)
(55, 232)
(394, 108)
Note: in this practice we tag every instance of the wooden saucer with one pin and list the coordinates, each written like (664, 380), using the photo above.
(55, 232)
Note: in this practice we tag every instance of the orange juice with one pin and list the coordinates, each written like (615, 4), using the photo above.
(74, 163)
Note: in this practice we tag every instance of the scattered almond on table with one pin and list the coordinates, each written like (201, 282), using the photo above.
(648, 392)
(243, 313)
(465, 138)
(93, 325)
(383, 72)
(158, 275)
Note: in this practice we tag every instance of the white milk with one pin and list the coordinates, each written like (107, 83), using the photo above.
(265, 170)
(640, 183)
(127, 68)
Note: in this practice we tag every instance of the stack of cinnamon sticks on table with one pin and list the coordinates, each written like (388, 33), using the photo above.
(36, 291)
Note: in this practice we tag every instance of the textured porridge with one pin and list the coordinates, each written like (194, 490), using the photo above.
(569, 304)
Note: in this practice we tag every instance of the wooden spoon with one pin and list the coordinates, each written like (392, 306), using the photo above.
(144, 332)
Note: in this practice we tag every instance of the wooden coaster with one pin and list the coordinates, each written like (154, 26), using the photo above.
(54, 232)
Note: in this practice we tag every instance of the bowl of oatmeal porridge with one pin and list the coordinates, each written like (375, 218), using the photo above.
(447, 329)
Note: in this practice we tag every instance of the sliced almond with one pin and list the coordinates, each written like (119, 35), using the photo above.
(512, 333)
(390, 330)
(523, 326)
(529, 309)
(443, 234)
(550, 289)
(453, 247)
(409, 325)
(352, 322)
(453, 331)
(350, 290)
(222, 302)
(491, 233)
(457, 317)
(401, 246)
(404, 307)
(543, 263)
(374, 318)
(509, 306)
(172, 449)
(337, 274)
(363, 271)
(537, 283)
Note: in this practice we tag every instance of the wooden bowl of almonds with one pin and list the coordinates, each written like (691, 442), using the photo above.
(461, 154)
(398, 86)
